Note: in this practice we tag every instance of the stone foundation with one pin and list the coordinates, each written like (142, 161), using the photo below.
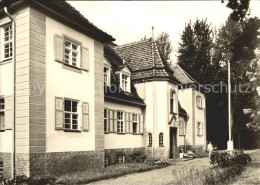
(59, 163)
(113, 154)
(6, 159)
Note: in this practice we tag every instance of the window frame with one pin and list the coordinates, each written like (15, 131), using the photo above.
(121, 159)
(107, 79)
(71, 115)
(199, 101)
(120, 121)
(150, 139)
(9, 42)
(172, 102)
(161, 140)
(135, 121)
(2, 111)
(106, 124)
(79, 51)
(199, 129)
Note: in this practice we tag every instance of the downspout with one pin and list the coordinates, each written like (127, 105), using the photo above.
(14, 93)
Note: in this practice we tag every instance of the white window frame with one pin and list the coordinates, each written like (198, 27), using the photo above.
(135, 121)
(2, 112)
(8, 42)
(200, 129)
(199, 101)
(120, 121)
(106, 76)
(121, 159)
(161, 139)
(71, 113)
(72, 51)
(125, 82)
(106, 121)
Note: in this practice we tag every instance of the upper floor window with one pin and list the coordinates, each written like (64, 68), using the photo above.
(125, 82)
(2, 113)
(199, 102)
(172, 103)
(71, 114)
(120, 122)
(7, 40)
(150, 139)
(135, 123)
(71, 53)
(200, 129)
(106, 128)
(106, 76)
(161, 139)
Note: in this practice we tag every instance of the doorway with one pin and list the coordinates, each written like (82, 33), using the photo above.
(173, 142)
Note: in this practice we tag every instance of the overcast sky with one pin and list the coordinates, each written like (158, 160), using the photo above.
(129, 21)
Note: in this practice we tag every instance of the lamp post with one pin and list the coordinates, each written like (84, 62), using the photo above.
(230, 144)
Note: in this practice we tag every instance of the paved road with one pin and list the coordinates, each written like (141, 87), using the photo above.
(159, 176)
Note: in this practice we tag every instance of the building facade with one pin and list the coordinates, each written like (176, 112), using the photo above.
(71, 100)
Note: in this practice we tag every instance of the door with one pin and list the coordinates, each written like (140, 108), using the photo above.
(173, 142)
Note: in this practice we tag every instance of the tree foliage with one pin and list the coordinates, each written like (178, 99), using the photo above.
(240, 9)
(194, 52)
(164, 43)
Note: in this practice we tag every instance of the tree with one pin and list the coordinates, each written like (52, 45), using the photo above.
(194, 52)
(240, 9)
(164, 43)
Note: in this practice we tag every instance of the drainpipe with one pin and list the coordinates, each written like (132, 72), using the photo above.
(14, 93)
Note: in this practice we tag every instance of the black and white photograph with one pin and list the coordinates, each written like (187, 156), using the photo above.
(130, 92)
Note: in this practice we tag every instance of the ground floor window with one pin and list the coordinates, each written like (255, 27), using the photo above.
(71, 114)
(120, 122)
(150, 139)
(161, 139)
(106, 161)
(200, 129)
(135, 123)
(121, 159)
(1, 169)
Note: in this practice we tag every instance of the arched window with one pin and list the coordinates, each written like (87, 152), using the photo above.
(161, 139)
(150, 139)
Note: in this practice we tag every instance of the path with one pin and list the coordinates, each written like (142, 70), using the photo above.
(159, 176)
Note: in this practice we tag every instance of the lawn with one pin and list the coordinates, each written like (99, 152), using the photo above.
(108, 172)
(252, 173)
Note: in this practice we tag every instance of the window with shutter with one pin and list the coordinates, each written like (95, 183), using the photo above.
(135, 124)
(120, 122)
(111, 121)
(85, 116)
(127, 124)
(106, 121)
(85, 59)
(141, 123)
(2, 113)
(199, 102)
(200, 129)
(58, 48)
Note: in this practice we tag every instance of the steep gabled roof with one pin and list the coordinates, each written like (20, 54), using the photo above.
(61, 10)
(114, 92)
(182, 75)
(145, 60)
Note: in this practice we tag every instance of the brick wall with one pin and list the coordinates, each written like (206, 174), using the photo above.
(6, 158)
(58, 163)
(114, 153)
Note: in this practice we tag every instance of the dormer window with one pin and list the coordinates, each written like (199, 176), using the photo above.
(124, 82)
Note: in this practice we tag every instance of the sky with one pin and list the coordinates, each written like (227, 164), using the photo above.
(129, 21)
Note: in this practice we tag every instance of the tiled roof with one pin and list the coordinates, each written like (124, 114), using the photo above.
(145, 60)
(182, 75)
(68, 11)
(114, 92)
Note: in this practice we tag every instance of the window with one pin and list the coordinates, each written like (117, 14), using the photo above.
(71, 114)
(106, 76)
(1, 169)
(106, 161)
(200, 129)
(71, 53)
(172, 94)
(106, 129)
(135, 123)
(181, 128)
(2, 113)
(150, 139)
(7, 42)
(121, 159)
(125, 83)
(161, 139)
(120, 122)
(199, 102)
